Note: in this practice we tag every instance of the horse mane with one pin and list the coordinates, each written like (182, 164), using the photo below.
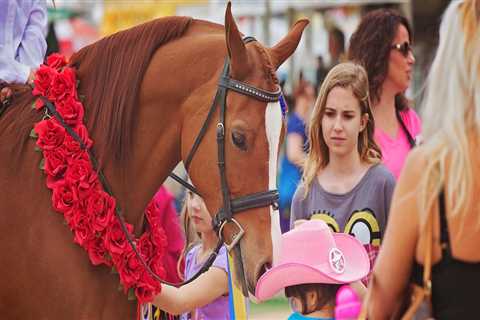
(111, 72)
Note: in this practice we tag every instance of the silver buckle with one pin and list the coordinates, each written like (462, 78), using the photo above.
(235, 237)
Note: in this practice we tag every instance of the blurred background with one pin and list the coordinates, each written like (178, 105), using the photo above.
(76, 23)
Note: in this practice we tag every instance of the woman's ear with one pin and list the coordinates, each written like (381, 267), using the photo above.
(364, 121)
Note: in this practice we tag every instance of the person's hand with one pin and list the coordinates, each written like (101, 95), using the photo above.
(31, 77)
(5, 94)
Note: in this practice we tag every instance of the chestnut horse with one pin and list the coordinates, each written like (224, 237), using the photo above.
(147, 93)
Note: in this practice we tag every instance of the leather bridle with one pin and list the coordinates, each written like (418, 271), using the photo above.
(231, 206)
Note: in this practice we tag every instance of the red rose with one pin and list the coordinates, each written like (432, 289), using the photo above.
(43, 79)
(146, 247)
(81, 228)
(55, 161)
(64, 197)
(79, 172)
(50, 134)
(56, 60)
(63, 85)
(100, 206)
(71, 110)
(147, 288)
(152, 213)
(129, 269)
(158, 267)
(115, 239)
(97, 252)
(72, 146)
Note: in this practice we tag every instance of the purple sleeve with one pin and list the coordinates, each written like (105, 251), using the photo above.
(31, 51)
(221, 261)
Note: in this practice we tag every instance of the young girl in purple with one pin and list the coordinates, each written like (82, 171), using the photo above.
(207, 297)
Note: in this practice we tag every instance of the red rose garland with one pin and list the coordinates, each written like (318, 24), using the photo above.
(78, 194)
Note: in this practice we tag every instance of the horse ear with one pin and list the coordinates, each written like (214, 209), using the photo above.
(284, 49)
(235, 46)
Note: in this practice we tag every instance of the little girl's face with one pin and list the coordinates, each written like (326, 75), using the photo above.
(198, 213)
(342, 121)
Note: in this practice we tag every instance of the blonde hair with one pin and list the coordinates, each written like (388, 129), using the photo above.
(451, 110)
(350, 76)
(191, 236)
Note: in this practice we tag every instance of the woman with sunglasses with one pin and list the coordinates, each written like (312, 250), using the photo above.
(382, 44)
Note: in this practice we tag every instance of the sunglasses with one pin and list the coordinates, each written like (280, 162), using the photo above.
(404, 48)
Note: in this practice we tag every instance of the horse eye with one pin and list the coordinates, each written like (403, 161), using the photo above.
(239, 140)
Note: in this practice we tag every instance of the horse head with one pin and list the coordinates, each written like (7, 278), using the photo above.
(253, 131)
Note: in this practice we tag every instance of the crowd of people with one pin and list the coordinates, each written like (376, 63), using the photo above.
(357, 204)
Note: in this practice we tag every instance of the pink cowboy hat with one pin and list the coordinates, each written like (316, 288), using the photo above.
(312, 253)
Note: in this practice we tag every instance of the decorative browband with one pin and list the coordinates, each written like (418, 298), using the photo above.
(243, 88)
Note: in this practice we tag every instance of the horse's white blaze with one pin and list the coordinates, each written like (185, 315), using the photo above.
(273, 127)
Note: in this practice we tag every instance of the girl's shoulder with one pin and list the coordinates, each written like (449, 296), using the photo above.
(380, 173)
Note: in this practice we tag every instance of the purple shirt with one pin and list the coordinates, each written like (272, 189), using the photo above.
(218, 309)
(23, 27)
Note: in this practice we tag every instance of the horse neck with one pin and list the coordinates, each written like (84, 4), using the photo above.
(167, 96)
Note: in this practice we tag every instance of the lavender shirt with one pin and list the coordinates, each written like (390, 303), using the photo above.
(218, 309)
(23, 27)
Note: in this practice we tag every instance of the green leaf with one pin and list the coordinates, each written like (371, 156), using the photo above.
(33, 105)
(37, 149)
(131, 294)
(33, 134)
(113, 271)
(42, 164)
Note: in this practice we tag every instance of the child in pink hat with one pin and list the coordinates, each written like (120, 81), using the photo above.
(313, 263)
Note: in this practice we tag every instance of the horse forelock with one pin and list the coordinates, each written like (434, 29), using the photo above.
(111, 72)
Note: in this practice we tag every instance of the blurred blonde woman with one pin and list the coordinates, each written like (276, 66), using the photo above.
(344, 183)
(440, 181)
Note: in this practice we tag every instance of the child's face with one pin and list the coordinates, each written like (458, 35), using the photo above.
(198, 213)
(342, 122)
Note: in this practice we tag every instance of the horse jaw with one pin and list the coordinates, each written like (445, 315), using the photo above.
(285, 48)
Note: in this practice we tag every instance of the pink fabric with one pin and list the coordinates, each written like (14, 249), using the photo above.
(164, 202)
(312, 253)
(395, 150)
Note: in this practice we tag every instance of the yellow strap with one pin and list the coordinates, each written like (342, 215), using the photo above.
(238, 304)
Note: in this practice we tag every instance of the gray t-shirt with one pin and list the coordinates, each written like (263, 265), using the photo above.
(361, 212)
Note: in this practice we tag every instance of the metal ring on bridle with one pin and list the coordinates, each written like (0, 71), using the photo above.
(236, 237)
